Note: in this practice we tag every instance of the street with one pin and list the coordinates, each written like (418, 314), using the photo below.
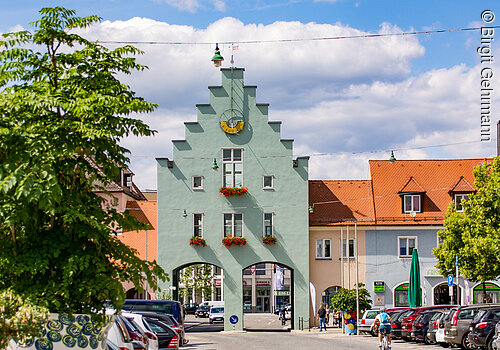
(205, 336)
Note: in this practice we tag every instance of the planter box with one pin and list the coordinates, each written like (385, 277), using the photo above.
(61, 332)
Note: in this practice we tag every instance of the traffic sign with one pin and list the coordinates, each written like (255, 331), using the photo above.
(233, 319)
(450, 280)
(252, 269)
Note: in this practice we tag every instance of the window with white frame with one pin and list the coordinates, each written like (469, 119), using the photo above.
(323, 249)
(267, 181)
(268, 224)
(197, 182)
(233, 224)
(232, 167)
(412, 202)
(344, 248)
(406, 246)
(458, 200)
(198, 224)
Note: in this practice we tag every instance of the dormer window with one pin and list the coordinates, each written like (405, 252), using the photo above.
(458, 201)
(127, 180)
(412, 203)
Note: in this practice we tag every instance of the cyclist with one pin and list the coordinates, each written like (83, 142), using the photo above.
(385, 325)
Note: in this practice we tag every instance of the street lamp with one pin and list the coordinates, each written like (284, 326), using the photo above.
(217, 59)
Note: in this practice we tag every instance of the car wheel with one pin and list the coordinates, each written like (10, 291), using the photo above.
(466, 344)
(210, 321)
(373, 332)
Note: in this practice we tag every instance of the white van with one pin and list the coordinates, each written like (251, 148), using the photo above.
(213, 303)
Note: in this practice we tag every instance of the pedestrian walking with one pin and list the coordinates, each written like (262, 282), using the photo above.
(322, 318)
(338, 318)
(328, 312)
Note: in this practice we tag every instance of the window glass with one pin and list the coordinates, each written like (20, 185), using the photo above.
(260, 269)
(268, 224)
(238, 225)
(237, 155)
(412, 203)
(232, 167)
(226, 155)
(197, 182)
(345, 248)
(268, 181)
(327, 249)
(416, 203)
(411, 245)
(198, 225)
(319, 249)
(228, 225)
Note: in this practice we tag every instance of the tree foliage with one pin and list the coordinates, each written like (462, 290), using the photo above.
(63, 112)
(345, 299)
(474, 234)
(197, 277)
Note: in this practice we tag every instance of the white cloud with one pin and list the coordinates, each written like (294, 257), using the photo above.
(333, 96)
(184, 5)
(219, 5)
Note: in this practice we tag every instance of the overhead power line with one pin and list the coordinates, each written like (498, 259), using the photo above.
(340, 37)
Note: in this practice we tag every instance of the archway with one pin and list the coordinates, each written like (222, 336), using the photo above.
(401, 295)
(328, 294)
(267, 288)
(492, 294)
(442, 296)
(133, 293)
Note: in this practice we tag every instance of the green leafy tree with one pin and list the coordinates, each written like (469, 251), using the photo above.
(197, 277)
(474, 234)
(62, 114)
(345, 299)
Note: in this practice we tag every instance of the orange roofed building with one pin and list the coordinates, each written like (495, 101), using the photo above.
(401, 208)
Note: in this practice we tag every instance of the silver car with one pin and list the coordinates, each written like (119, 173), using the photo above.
(496, 340)
(365, 326)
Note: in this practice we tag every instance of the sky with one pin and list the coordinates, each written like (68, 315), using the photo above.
(343, 101)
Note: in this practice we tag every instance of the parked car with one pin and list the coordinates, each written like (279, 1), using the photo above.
(190, 309)
(170, 321)
(367, 321)
(434, 323)
(397, 319)
(118, 334)
(422, 323)
(139, 320)
(407, 324)
(440, 331)
(202, 311)
(135, 332)
(457, 328)
(216, 314)
(167, 337)
(482, 327)
(496, 338)
(164, 306)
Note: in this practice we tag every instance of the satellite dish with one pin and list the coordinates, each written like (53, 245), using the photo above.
(413, 214)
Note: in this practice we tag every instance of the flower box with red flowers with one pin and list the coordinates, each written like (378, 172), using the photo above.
(233, 191)
(270, 240)
(197, 241)
(229, 241)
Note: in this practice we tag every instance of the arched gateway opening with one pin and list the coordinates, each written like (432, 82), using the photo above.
(268, 296)
(199, 287)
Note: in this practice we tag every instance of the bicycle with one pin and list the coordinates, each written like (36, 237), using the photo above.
(385, 341)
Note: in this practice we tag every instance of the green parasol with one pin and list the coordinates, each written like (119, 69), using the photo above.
(414, 291)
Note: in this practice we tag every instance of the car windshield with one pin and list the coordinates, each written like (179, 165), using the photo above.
(436, 316)
(203, 308)
(217, 310)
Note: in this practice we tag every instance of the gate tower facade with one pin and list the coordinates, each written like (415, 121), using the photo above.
(233, 144)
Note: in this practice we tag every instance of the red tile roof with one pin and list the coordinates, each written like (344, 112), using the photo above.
(438, 178)
(337, 201)
(144, 211)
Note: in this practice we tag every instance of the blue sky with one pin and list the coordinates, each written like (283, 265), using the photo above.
(402, 93)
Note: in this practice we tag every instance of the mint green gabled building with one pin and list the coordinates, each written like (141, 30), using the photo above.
(233, 144)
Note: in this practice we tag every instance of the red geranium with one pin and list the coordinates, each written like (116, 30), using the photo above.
(197, 241)
(269, 240)
(230, 240)
(232, 191)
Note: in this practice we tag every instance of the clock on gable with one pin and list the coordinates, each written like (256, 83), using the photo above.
(231, 121)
